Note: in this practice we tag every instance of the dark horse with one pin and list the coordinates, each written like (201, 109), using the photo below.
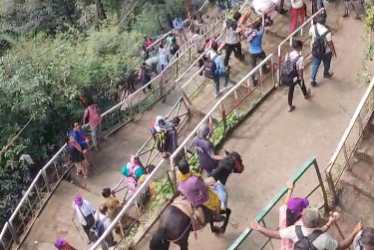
(175, 226)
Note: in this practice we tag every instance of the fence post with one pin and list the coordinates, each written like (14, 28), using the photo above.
(326, 207)
(45, 178)
(331, 186)
(173, 181)
(223, 117)
(13, 233)
(189, 48)
(130, 107)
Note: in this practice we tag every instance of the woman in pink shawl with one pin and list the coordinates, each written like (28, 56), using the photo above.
(290, 213)
(132, 171)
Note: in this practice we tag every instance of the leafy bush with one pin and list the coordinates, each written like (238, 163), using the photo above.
(370, 18)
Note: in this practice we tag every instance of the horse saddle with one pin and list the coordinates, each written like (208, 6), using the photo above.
(199, 216)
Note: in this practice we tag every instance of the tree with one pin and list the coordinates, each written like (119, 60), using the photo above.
(50, 52)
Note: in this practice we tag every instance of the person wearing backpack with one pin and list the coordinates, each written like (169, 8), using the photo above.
(255, 49)
(309, 236)
(145, 76)
(322, 50)
(174, 47)
(291, 73)
(315, 6)
(217, 70)
(102, 222)
(364, 240)
(232, 38)
(92, 114)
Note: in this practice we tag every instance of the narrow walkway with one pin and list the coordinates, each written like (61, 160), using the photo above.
(275, 144)
(115, 153)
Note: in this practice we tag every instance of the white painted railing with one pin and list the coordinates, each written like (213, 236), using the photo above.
(245, 82)
(51, 174)
(340, 160)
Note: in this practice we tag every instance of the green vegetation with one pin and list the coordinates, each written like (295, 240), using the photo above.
(164, 188)
(52, 51)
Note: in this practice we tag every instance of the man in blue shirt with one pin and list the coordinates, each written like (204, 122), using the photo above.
(221, 71)
(79, 135)
(256, 49)
(178, 25)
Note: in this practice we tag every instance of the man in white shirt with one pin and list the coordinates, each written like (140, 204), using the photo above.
(310, 220)
(163, 57)
(102, 216)
(298, 8)
(295, 56)
(327, 55)
(85, 212)
(232, 38)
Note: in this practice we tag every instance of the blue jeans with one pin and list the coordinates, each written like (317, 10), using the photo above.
(326, 59)
(216, 79)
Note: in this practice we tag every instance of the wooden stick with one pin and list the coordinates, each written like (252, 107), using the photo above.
(15, 137)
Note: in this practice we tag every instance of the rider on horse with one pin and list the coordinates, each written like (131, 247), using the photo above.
(192, 186)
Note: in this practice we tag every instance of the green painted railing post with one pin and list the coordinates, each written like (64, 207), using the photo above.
(326, 207)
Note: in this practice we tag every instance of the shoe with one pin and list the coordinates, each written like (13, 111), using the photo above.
(217, 95)
(328, 75)
(291, 108)
(255, 83)
(283, 11)
(308, 95)
(345, 15)
(313, 84)
(229, 86)
(85, 176)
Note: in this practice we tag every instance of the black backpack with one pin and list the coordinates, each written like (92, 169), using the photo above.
(288, 71)
(97, 230)
(231, 24)
(174, 48)
(210, 67)
(306, 242)
(318, 47)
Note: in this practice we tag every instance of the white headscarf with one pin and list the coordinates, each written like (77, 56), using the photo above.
(158, 126)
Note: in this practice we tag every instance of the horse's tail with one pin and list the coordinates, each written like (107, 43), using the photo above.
(158, 238)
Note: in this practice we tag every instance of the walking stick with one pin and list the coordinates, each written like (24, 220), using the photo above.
(80, 235)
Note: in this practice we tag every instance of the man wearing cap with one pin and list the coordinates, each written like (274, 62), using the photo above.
(85, 212)
(310, 221)
(364, 239)
(62, 244)
(290, 213)
(207, 158)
